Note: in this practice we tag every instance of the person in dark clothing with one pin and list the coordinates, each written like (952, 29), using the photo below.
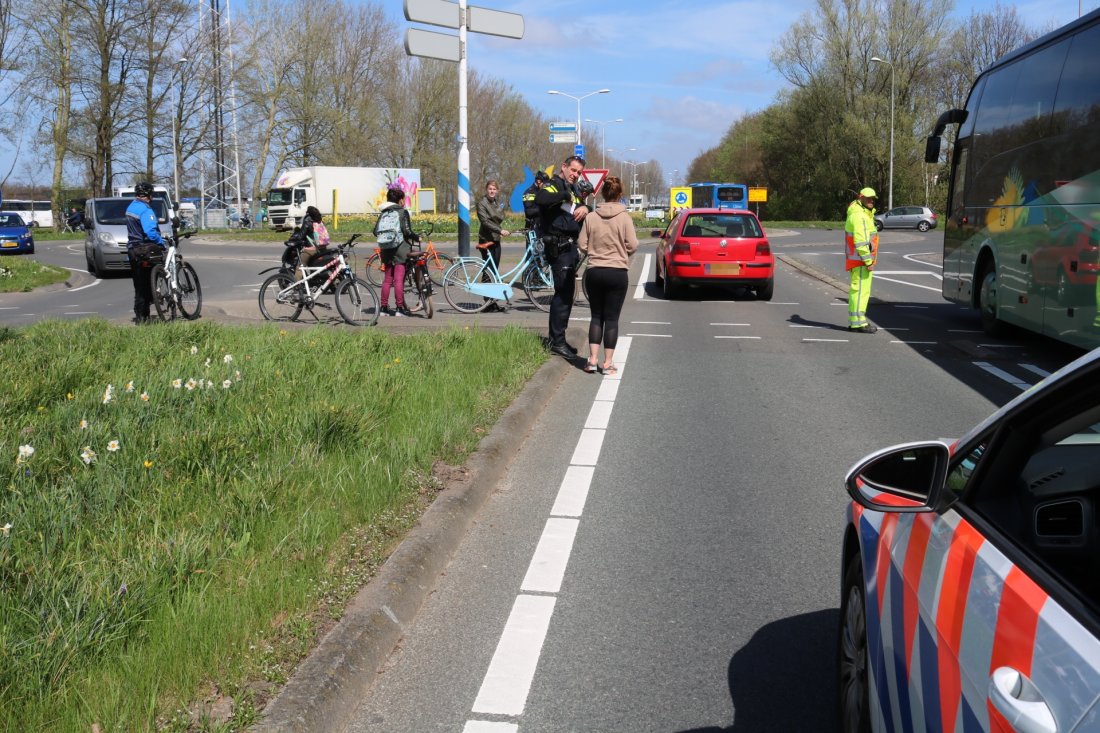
(75, 219)
(145, 246)
(530, 208)
(394, 254)
(490, 218)
(561, 214)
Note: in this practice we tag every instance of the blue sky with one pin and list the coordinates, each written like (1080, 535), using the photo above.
(680, 71)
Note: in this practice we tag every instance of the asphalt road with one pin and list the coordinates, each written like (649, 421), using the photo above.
(662, 554)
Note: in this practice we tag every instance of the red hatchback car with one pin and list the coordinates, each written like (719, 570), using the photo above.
(715, 247)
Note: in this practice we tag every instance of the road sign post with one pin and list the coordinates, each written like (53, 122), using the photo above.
(435, 45)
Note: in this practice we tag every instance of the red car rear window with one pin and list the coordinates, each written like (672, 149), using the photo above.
(721, 225)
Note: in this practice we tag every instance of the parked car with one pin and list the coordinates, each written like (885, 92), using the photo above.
(15, 235)
(970, 572)
(105, 236)
(715, 247)
(907, 217)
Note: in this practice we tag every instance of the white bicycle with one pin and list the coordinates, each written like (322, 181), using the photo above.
(176, 288)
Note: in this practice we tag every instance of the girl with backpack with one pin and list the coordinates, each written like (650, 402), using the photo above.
(395, 237)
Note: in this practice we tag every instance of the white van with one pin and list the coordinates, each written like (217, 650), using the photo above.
(159, 192)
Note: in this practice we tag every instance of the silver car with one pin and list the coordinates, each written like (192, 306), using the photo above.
(907, 217)
(105, 233)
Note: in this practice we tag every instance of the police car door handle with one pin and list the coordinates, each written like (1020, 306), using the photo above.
(1020, 702)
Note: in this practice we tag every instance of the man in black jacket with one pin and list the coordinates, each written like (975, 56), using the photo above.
(561, 213)
(530, 207)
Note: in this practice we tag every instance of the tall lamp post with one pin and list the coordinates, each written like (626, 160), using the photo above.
(578, 100)
(176, 113)
(634, 174)
(603, 137)
(890, 194)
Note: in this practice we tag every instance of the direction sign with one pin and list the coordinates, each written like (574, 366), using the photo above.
(563, 127)
(563, 137)
(478, 19)
(433, 45)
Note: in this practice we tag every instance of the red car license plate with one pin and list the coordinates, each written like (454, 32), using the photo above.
(723, 268)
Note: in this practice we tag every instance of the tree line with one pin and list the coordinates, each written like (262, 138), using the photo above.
(108, 90)
(829, 135)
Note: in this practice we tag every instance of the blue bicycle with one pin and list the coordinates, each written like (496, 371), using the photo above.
(471, 284)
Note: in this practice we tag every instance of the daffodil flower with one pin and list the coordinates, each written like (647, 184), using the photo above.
(227, 384)
(69, 396)
(108, 394)
(194, 350)
(83, 424)
(190, 384)
(130, 386)
(113, 446)
(228, 358)
(26, 451)
(177, 383)
(88, 455)
(6, 529)
(147, 463)
(144, 396)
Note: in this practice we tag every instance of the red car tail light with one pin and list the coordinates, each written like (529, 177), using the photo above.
(763, 249)
(681, 247)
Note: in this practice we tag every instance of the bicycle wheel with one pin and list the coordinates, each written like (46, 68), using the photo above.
(437, 267)
(413, 301)
(538, 283)
(357, 303)
(374, 270)
(162, 293)
(424, 286)
(190, 292)
(277, 303)
(455, 280)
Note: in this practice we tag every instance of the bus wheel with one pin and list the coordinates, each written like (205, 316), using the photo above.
(987, 302)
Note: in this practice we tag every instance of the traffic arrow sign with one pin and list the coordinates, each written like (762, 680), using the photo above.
(563, 127)
(563, 137)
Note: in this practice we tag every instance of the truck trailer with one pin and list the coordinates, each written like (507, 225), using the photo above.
(354, 190)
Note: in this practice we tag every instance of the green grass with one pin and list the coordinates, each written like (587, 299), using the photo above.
(20, 274)
(205, 549)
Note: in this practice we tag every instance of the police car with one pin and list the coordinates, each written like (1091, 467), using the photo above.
(970, 591)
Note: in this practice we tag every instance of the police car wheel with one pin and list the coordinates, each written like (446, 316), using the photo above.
(852, 699)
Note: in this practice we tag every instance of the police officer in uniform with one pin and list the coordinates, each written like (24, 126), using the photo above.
(561, 214)
(530, 208)
(145, 246)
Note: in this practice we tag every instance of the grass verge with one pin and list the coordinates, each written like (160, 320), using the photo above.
(22, 274)
(187, 506)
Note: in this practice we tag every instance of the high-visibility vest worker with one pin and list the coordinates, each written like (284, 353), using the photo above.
(860, 255)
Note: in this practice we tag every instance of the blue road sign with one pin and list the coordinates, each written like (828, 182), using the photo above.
(578, 150)
(563, 127)
(681, 198)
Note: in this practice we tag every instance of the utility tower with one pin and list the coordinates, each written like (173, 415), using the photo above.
(220, 176)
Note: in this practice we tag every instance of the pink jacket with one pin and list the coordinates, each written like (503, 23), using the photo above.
(608, 236)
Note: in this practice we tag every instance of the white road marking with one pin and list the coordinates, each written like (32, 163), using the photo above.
(573, 492)
(911, 255)
(1036, 370)
(511, 672)
(489, 726)
(547, 568)
(1002, 374)
(731, 324)
(512, 669)
(651, 323)
(80, 313)
(776, 302)
(750, 338)
(654, 335)
(803, 325)
(878, 276)
(915, 343)
(97, 281)
(825, 341)
(639, 289)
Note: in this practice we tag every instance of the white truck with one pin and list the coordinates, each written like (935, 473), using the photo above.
(637, 202)
(357, 191)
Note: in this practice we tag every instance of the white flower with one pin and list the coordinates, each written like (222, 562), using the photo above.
(130, 386)
(227, 358)
(207, 364)
(237, 375)
(202, 383)
(227, 384)
(6, 529)
(26, 451)
(177, 383)
(194, 350)
(83, 424)
(108, 394)
(144, 396)
(87, 454)
(210, 384)
(113, 446)
(191, 384)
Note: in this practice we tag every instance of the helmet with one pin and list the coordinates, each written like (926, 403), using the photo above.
(541, 177)
(869, 193)
(144, 189)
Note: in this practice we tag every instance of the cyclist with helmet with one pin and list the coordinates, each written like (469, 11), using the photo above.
(530, 208)
(145, 245)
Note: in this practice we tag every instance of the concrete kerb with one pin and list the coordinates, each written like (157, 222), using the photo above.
(326, 688)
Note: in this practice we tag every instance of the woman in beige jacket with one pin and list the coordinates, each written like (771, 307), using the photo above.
(609, 239)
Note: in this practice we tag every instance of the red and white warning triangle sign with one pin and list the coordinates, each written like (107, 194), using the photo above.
(595, 176)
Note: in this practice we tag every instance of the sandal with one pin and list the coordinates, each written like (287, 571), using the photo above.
(591, 367)
(610, 369)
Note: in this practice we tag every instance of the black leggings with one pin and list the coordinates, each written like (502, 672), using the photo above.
(606, 294)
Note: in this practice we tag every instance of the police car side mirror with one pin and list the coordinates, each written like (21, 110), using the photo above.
(905, 478)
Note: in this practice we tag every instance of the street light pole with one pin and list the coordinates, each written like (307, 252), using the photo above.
(603, 139)
(890, 194)
(578, 100)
